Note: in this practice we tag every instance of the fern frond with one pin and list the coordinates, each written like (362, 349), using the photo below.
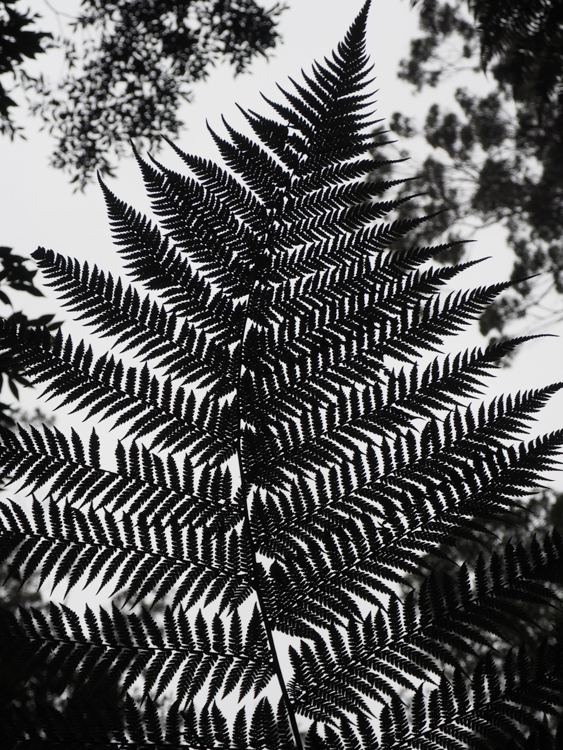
(144, 558)
(410, 641)
(134, 646)
(160, 268)
(131, 396)
(294, 449)
(137, 323)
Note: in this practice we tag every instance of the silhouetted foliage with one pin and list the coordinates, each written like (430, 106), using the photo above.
(497, 157)
(129, 65)
(293, 445)
(17, 42)
(483, 167)
(125, 79)
(16, 276)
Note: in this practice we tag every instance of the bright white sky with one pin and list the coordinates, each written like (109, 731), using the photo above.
(39, 207)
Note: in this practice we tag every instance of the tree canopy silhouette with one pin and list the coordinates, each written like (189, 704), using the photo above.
(129, 65)
(291, 444)
(17, 42)
(16, 276)
(495, 157)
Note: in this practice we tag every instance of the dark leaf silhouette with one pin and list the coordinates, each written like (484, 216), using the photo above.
(292, 446)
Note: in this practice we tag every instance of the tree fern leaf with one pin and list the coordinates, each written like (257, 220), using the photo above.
(226, 188)
(106, 488)
(114, 395)
(251, 162)
(224, 263)
(288, 456)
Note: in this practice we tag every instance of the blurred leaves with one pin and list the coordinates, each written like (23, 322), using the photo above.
(496, 157)
(128, 68)
(130, 64)
(16, 276)
(17, 43)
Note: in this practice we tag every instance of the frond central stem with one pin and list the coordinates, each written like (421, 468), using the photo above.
(245, 486)
(268, 627)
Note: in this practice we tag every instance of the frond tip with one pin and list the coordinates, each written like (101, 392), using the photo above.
(297, 467)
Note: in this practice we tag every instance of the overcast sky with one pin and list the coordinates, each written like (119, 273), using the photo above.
(39, 207)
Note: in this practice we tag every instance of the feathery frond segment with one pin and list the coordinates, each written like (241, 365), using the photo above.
(292, 444)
